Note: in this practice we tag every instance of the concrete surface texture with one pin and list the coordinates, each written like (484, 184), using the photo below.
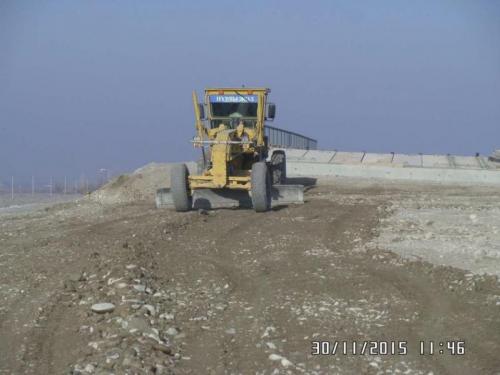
(434, 168)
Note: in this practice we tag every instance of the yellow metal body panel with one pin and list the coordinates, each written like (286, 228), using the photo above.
(230, 148)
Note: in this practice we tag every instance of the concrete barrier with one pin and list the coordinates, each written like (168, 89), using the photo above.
(444, 169)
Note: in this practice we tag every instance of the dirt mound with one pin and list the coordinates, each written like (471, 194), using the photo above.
(140, 185)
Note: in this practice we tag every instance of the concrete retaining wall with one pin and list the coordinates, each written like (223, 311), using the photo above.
(434, 168)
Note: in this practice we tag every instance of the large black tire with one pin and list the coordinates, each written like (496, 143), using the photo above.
(261, 187)
(278, 167)
(179, 187)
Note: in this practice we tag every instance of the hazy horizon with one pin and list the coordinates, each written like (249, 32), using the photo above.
(86, 85)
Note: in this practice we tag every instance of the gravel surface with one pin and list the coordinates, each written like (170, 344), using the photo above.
(461, 230)
(236, 292)
(27, 202)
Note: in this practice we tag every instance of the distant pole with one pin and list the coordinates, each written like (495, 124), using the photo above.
(12, 188)
(32, 185)
(64, 184)
(86, 186)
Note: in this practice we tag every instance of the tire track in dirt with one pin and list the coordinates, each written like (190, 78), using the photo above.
(252, 286)
(328, 225)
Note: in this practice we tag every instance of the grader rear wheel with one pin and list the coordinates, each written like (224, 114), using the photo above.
(179, 187)
(261, 187)
(278, 167)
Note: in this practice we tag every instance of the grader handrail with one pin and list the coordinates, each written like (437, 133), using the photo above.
(287, 139)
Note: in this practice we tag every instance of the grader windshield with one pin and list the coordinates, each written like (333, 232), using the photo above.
(233, 108)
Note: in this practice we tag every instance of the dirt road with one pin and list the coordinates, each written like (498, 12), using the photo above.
(233, 291)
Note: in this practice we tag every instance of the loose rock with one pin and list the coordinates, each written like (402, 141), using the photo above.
(103, 307)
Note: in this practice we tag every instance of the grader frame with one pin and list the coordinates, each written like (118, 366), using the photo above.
(230, 132)
(230, 145)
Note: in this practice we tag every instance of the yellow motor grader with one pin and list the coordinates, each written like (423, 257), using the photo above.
(235, 165)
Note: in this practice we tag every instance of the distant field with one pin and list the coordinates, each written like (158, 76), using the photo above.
(28, 199)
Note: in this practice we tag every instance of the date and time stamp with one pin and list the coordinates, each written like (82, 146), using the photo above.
(387, 348)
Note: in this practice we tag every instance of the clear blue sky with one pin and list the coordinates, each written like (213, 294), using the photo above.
(92, 84)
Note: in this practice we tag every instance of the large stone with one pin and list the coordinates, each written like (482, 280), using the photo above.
(137, 323)
(172, 331)
(140, 288)
(103, 307)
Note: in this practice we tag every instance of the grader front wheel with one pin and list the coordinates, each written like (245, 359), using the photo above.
(179, 187)
(261, 187)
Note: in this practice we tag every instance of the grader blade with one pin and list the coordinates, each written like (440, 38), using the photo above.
(208, 199)
(225, 198)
